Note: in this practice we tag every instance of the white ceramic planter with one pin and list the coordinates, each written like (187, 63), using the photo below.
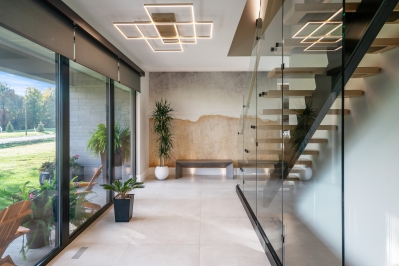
(162, 172)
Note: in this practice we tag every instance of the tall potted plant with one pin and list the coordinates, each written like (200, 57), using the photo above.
(123, 202)
(162, 124)
(97, 145)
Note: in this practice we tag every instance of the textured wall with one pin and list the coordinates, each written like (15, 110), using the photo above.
(208, 107)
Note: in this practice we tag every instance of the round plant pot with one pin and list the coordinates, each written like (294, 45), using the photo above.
(162, 172)
(35, 237)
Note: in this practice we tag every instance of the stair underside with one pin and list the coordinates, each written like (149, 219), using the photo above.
(309, 72)
(296, 111)
(304, 93)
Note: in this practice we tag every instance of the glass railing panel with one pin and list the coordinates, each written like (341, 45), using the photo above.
(269, 136)
(248, 129)
(371, 181)
(312, 188)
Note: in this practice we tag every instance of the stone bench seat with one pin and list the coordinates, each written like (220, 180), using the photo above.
(204, 163)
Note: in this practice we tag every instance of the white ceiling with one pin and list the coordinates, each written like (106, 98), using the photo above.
(206, 55)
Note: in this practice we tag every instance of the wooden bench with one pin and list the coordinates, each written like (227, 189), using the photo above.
(204, 163)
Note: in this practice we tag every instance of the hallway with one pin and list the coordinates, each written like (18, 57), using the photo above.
(195, 220)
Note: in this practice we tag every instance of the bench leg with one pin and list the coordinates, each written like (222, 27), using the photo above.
(230, 171)
(178, 171)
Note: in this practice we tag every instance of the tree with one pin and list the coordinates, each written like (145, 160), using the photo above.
(49, 108)
(34, 106)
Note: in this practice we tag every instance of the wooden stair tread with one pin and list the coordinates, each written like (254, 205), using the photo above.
(280, 152)
(294, 111)
(280, 140)
(305, 72)
(381, 45)
(292, 127)
(271, 163)
(304, 93)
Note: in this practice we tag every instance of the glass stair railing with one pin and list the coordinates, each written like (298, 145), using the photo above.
(290, 132)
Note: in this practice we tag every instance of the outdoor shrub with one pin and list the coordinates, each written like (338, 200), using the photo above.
(9, 127)
(40, 127)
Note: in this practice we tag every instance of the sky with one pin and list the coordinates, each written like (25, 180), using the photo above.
(19, 84)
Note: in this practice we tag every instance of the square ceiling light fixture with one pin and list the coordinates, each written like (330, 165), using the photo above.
(170, 26)
(320, 33)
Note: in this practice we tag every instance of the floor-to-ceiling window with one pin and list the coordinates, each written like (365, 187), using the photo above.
(27, 145)
(55, 116)
(88, 143)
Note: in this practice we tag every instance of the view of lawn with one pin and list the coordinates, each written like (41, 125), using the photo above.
(21, 164)
(21, 133)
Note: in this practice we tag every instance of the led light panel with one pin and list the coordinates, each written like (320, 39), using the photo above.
(186, 31)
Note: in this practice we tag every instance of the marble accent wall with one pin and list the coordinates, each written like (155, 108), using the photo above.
(207, 107)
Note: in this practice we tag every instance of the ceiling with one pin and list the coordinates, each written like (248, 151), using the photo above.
(206, 55)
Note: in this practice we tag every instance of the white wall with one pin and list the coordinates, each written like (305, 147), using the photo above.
(371, 161)
(142, 129)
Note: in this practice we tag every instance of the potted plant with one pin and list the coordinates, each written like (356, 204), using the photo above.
(305, 119)
(97, 145)
(47, 171)
(41, 220)
(123, 202)
(75, 168)
(162, 123)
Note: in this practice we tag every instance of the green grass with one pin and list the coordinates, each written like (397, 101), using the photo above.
(21, 133)
(21, 164)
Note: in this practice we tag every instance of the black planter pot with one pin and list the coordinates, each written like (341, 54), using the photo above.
(123, 209)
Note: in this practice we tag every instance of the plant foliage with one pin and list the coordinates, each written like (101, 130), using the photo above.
(123, 187)
(9, 127)
(40, 127)
(162, 118)
(305, 121)
(97, 143)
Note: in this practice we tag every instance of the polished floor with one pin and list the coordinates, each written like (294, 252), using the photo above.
(195, 220)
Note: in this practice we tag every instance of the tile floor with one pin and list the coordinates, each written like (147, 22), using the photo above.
(195, 220)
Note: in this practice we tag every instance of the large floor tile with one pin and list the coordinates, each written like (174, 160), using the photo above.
(233, 255)
(176, 207)
(206, 185)
(161, 255)
(227, 231)
(218, 193)
(169, 230)
(222, 208)
(180, 194)
(182, 184)
(95, 254)
(106, 231)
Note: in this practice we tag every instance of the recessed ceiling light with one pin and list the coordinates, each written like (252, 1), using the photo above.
(167, 29)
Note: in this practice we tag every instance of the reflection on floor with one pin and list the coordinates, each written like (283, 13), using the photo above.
(97, 196)
(302, 246)
(195, 220)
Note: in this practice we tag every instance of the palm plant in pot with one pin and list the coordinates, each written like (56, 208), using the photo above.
(162, 124)
(123, 202)
(97, 145)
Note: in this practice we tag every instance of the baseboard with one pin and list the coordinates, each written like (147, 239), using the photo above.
(144, 175)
